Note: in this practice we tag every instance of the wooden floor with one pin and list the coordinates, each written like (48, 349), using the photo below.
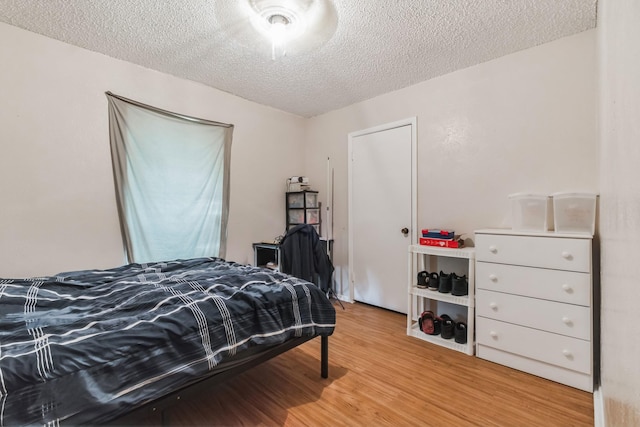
(378, 376)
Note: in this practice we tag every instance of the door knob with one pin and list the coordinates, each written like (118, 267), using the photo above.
(405, 231)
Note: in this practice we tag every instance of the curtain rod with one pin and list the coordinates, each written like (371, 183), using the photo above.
(168, 113)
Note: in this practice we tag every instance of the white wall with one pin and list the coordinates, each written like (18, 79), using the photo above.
(57, 197)
(523, 122)
(619, 60)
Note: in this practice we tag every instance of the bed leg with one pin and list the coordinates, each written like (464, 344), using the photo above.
(324, 356)
(164, 418)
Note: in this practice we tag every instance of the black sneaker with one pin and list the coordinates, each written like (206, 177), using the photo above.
(461, 333)
(448, 327)
(437, 325)
(423, 278)
(432, 283)
(459, 285)
(444, 283)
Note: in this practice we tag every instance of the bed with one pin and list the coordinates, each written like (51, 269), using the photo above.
(93, 346)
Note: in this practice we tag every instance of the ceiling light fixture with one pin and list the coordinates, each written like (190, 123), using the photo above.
(299, 26)
(278, 33)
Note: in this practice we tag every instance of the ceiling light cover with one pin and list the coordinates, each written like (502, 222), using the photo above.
(278, 33)
(310, 23)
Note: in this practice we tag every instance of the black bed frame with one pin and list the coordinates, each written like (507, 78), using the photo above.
(157, 408)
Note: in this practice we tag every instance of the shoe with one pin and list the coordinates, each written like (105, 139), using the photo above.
(461, 333)
(459, 285)
(426, 322)
(448, 327)
(437, 325)
(423, 278)
(432, 283)
(444, 283)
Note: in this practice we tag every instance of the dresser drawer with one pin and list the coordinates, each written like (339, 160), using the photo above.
(560, 318)
(555, 285)
(558, 253)
(558, 350)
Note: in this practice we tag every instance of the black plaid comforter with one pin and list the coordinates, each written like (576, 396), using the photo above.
(94, 344)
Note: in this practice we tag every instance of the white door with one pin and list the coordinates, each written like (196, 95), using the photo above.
(381, 213)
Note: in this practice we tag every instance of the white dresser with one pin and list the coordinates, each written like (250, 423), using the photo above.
(534, 304)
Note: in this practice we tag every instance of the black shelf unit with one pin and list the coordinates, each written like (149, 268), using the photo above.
(303, 207)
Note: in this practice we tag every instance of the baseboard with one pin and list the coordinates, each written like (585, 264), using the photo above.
(598, 408)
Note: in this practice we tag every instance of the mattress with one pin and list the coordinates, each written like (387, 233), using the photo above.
(95, 344)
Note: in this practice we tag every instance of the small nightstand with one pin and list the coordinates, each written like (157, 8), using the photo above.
(266, 255)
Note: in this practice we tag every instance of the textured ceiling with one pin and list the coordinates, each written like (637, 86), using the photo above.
(352, 50)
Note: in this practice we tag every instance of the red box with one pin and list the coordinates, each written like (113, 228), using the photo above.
(441, 243)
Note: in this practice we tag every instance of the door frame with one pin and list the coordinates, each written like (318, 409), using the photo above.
(413, 122)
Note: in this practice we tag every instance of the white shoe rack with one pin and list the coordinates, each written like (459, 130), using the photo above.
(460, 308)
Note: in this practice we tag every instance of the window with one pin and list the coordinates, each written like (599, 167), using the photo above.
(171, 176)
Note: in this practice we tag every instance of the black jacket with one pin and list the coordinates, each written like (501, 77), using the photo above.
(304, 255)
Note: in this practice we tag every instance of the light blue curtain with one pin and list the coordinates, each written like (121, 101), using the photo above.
(171, 175)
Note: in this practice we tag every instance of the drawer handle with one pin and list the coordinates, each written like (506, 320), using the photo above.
(493, 249)
(568, 289)
(567, 321)
(493, 334)
(493, 277)
(567, 354)
(567, 255)
(493, 306)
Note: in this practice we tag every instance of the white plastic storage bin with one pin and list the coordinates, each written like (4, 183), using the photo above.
(296, 216)
(574, 212)
(296, 200)
(530, 212)
(313, 216)
(312, 200)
